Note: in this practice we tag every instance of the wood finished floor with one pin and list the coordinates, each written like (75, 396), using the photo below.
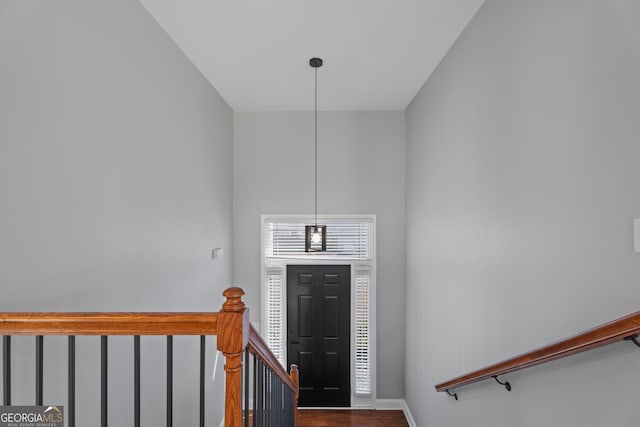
(359, 418)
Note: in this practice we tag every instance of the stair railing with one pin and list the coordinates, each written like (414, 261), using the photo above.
(230, 325)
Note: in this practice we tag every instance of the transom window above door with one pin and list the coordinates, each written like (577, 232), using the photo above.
(347, 237)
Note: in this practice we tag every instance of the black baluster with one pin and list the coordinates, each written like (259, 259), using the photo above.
(136, 380)
(6, 369)
(246, 387)
(71, 381)
(269, 397)
(280, 419)
(169, 380)
(39, 368)
(274, 399)
(279, 399)
(202, 373)
(265, 402)
(259, 403)
(255, 389)
(104, 379)
(274, 396)
(287, 407)
(283, 407)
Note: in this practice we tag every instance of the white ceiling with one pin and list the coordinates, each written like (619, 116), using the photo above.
(377, 53)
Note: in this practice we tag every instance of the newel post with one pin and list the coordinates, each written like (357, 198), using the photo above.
(233, 333)
(295, 377)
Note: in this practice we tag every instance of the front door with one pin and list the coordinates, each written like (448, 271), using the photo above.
(318, 324)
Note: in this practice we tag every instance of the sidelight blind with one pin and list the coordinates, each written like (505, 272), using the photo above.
(274, 331)
(363, 365)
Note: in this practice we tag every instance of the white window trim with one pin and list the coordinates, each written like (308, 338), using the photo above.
(358, 266)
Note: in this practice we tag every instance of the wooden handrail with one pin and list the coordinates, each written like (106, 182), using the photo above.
(616, 330)
(124, 323)
(259, 348)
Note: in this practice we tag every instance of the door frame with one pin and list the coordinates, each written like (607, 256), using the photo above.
(357, 266)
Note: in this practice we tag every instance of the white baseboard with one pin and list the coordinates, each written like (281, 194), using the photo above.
(407, 414)
(398, 405)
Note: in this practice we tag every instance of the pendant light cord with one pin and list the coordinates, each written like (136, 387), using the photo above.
(315, 156)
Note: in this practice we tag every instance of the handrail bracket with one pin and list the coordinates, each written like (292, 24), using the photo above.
(506, 384)
(454, 395)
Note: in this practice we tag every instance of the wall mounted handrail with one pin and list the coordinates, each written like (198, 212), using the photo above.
(624, 328)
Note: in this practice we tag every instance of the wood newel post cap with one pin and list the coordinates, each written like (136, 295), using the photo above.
(234, 301)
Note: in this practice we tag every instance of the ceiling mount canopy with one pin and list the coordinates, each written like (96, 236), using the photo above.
(315, 236)
(315, 62)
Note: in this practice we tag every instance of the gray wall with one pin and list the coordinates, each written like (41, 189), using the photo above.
(361, 171)
(115, 184)
(522, 183)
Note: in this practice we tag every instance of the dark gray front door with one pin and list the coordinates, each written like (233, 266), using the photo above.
(318, 313)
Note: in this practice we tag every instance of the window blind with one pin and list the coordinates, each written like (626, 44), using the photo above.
(363, 363)
(274, 316)
(285, 239)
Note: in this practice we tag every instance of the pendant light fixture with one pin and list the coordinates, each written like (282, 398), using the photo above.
(315, 236)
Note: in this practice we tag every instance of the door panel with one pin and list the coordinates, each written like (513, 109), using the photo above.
(318, 326)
